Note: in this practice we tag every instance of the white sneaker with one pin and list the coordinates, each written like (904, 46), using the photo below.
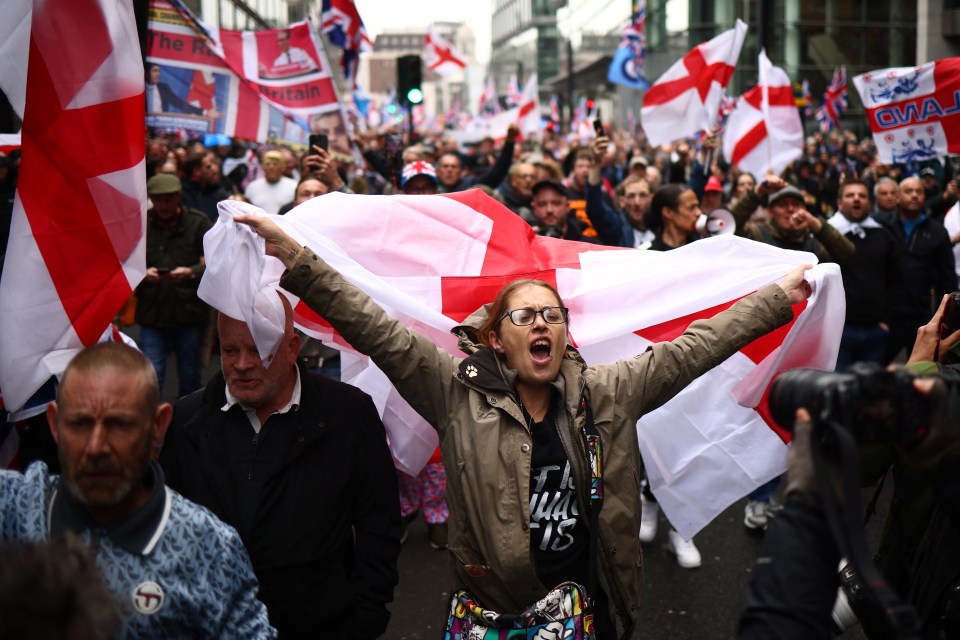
(755, 515)
(688, 556)
(649, 514)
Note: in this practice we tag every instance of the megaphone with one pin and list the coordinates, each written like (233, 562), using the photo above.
(716, 223)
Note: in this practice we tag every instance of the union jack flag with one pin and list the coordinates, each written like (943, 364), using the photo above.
(634, 34)
(626, 68)
(342, 24)
(834, 101)
(418, 168)
(724, 110)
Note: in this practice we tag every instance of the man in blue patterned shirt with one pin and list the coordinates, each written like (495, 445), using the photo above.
(176, 570)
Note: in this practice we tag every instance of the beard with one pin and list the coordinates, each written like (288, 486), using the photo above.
(119, 493)
(125, 477)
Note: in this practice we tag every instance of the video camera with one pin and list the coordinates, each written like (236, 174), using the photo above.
(866, 405)
(876, 405)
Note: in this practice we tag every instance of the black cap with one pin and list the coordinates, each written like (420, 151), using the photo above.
(928, 171)
(553, 184)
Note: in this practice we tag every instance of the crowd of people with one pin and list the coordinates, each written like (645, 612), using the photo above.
(297, 463)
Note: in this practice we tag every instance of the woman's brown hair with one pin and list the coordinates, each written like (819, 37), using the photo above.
(499, 306)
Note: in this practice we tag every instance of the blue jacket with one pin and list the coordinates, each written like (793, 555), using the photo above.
(612, 226)
(195, 562)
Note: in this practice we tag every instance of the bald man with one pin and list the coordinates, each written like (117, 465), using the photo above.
(299, 464)
(927, 266)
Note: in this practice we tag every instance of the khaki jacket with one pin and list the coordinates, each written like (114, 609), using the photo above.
(487, 445)
(828, 244)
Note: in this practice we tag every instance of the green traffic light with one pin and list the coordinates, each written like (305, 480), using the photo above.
(415, 96)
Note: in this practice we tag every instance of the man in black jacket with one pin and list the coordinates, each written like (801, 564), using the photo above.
(299, 465)
(927, 265)
(552, 212)
(871, 277)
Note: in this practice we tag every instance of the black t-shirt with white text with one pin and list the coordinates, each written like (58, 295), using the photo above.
(559, 536)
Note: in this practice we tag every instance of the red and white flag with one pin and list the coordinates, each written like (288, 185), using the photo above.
(764, 132)
(9, 142)
(440, 258)
(246, 84)
(914, 112)
(76, 248)
(440, 56)
(528, 117)
(685, 99)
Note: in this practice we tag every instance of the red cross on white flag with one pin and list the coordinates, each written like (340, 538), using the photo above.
(684, 101)
(76, 248)
(440, 56)
(436, 259)
(764, 132)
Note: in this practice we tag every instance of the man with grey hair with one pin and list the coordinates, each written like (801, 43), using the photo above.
(884, 200)
(183, 572)
(517, 190)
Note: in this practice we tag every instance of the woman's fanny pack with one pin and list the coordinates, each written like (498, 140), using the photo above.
(565, 612)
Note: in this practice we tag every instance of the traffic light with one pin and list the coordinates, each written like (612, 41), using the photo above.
(409, 79)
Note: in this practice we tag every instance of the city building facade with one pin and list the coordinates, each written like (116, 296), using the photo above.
(808, 39)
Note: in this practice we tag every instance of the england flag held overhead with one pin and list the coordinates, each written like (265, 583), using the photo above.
(764, 133)
(439, 258)
(685, 100)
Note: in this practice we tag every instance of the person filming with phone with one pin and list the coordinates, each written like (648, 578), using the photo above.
(170, 315)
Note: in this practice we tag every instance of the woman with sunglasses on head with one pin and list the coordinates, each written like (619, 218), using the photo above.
(518, 420)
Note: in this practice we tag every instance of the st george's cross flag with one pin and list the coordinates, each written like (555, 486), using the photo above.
(76, 248)
(436, 259)
(528, 108)
(440, 56)
(764, 132)
(684, 101)
(914, 112)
